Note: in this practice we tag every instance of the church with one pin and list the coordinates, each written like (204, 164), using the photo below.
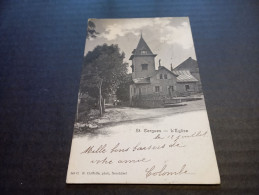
(158, 88)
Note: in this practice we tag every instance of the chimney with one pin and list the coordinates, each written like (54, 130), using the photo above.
(159, 62)
(171, 67)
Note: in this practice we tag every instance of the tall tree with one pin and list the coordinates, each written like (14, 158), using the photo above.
(91, 33)
(102, 73)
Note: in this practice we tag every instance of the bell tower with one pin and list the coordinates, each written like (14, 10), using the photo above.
(143, 60)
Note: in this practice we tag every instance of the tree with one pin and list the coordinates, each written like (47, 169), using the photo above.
(122, 92)
(91, 32)
(102, 72)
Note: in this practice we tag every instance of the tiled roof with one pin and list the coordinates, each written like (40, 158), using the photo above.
(141, 80)
(184, 76)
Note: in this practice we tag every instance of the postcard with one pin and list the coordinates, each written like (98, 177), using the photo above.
(141, 116)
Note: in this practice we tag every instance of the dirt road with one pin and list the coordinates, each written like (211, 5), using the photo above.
(119, 114)
(115, 117)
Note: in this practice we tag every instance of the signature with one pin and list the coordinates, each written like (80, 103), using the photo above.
(163, 172)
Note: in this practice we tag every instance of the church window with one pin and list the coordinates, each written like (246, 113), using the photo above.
(187, 87)
(165, 76)
(157, 89)
(144, 66)
(143, 52)
(161, 76)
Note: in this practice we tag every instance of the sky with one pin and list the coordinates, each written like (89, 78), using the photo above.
(169, 38)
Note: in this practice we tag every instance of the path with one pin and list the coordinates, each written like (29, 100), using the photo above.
(117, 116)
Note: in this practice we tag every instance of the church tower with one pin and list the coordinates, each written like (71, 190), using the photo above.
(143, 60)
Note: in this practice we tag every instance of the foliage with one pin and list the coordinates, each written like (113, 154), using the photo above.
(123, 92)
(91, 32)
(103, 71)
(86, 104)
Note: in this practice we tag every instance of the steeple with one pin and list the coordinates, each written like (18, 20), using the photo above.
(142, 48)
(143, 60)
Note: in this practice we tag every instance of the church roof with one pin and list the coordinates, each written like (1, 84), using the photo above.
(142, 46)
(184, 76)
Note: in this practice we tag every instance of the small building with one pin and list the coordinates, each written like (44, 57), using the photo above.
(190, 65)
(187, 84)
(155, 88)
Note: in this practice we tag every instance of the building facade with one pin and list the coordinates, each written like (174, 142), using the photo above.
(191, 65)
(155, 88)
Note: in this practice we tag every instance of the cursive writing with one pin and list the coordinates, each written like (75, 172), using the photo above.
(152, 171)
(92, 149)
(139, 147)
(196, 134)
(118, 149)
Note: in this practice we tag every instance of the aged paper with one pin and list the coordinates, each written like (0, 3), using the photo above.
(141, 116)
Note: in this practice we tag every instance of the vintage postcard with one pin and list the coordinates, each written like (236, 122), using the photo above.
(141, 116)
